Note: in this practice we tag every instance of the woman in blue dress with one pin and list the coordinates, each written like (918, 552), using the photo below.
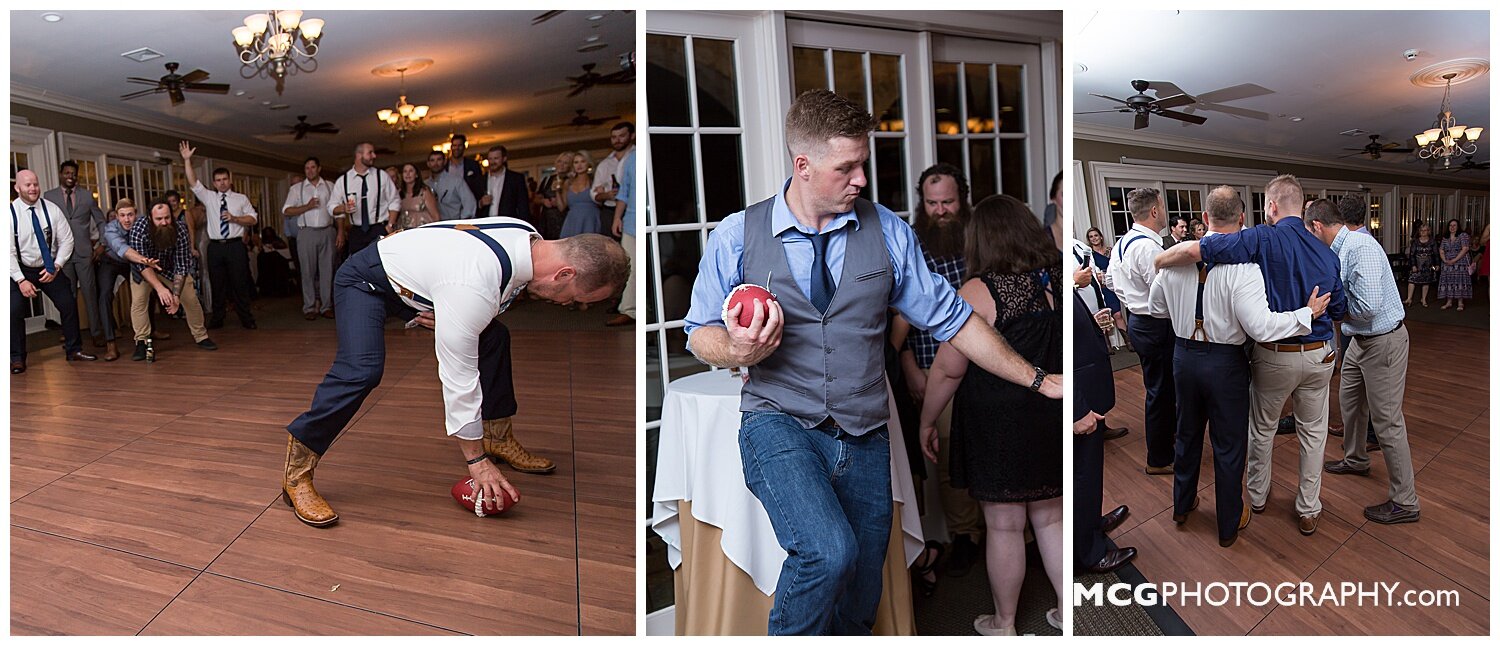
(1101, 263)
(582, 213)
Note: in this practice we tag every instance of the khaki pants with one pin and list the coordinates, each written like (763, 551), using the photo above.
(1372, 385)
(1304, 376)
(960, 510)
(627, 297)
(141, 295)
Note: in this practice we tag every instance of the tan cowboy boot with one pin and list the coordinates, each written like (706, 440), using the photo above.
(297, 487)
(501, 443)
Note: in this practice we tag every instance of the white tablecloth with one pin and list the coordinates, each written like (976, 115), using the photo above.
(698, 459)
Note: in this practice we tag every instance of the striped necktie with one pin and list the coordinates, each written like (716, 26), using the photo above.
(223, 222)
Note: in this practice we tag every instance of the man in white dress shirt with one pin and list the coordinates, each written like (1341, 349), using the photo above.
(1214, 310)
(229, 214)
(1130, 274)
(607, 175)
(309, 201)
(456, 278)
(41, 241)
(367, 201)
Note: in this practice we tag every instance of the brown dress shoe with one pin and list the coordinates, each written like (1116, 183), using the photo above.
(499, 442)
(1244, 522)
(110, 351)
(1113, 560)
(620, 320)
(1308, 524)
(1159, 471)
(17, 367)
(328, 313)
(1182, 517)
(1110, 521)
(311, 316)
(297, 486)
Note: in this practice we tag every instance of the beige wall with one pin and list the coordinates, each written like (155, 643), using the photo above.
(57, 121)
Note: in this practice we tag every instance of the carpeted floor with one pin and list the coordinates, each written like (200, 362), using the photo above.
(957, 601)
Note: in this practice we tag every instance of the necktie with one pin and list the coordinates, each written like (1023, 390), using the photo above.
(41, 241)
(364, 213)
(822, 279)
(223, 223)
(70, 201)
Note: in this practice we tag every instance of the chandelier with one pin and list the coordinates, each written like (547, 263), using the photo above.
(405, 117)
(1446, 139)
(274, 41)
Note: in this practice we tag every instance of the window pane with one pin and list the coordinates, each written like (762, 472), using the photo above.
(1012, 117)
(945, 98)
(680, 252)
(717, 101)
(1119, 210)
(981, 169)
(1013, 168)
(849, 76)
(809, 70)
(724, 179)
(951, 151)
(885, 77)
(981, 103)
(655, 381)
(890, 164)
(675, 179)
(666, 80)
(652, 315)
(121, 184)
(153, 183)
(88, 176)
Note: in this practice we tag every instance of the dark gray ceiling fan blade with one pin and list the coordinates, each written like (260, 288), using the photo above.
(544, 17)
(1104, 111)
(1181, 116)
(215, 88)
(1102, 96)
(1165, 88)
(1234, 93)
(1174, 101)
(322, 126)
(132, 95)
(1398, 150)
(1361, 152)
(1141, 120)
(137, 79)
(194, 76)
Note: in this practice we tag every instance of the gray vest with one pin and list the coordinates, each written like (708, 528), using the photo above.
(832, 364)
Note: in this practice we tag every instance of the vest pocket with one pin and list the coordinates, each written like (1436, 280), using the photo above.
(866, 388)
(872, 274)
(782, 384)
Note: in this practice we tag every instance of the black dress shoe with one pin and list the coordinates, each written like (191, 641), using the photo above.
(1112, 520)
(208, 344)
(1286, 425)
(1112, 560)
(17, 367)
(82, 356)
(1115, 433)
(140, 351)
(1341, 467)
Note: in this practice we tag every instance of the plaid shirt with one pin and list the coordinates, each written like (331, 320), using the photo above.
(177, 261)
(1374, 302)
(920, 342)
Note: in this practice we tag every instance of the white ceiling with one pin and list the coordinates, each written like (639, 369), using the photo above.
(1335, 70)
(490, 63)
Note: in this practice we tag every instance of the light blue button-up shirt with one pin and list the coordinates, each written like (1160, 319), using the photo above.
(1369, 286)
(920, 296)
(114, 240)
(627, 193)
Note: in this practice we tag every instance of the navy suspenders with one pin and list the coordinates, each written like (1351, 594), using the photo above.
(16, 226)
(1198, 307)
(494, 245)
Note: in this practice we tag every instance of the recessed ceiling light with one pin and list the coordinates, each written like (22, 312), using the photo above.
(1296, 119)
(52, 17)
(142, 55)
(239, 93)
(280, 106)
(597, 16)
(265, 103)
(593, 47)
(591, 39)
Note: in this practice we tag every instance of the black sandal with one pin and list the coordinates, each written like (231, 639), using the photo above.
(920, 572)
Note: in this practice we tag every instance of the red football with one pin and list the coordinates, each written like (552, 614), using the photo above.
(463, 494)
(746, 295)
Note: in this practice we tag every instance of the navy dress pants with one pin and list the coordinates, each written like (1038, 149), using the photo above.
(1154, 342)
(61, 293)
(1213, 390)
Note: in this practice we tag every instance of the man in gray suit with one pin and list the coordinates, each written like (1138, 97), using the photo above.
(86, 220)
(455, 200)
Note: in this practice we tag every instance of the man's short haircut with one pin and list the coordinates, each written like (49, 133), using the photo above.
(1179, 219)
(1141, 201)
(220, 171)
(1324, 211)
(1286, 192)
(626, 125)
(820, 115)
(362, 144)
(1352, 210)
(436, 152)
(503, 151)
(1224, 206)
(598, 260)
(944, 169)
(314, 160)
(127, 203)
(459, 136)
(67, 163)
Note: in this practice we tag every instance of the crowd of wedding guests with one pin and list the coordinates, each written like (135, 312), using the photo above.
(1232, 322)
(194, 259)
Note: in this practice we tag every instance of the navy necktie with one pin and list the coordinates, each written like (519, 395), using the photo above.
(223, 223)
(42, 242)
(822, 279)
(364, 213)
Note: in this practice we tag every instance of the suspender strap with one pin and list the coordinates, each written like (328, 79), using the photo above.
(1198, 308)
(474, 230)
(15, 222)
(1125, 246)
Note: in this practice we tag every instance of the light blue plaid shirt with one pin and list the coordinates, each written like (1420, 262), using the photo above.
(1374, 302)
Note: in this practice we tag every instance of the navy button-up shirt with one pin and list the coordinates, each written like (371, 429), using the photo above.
(1293, 262)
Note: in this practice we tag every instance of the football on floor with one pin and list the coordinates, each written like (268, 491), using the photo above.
(463, 494)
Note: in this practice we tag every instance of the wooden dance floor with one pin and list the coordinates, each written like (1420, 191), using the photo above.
(145, 499)
(1447, 415)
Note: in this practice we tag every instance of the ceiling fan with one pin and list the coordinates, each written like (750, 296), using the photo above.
(1375, 148)
(1467, 165)
(302, 127)
(589, 78)
(175, 84)
(544, 17)
(1213, 101)
(581, 121)
(1144, 106)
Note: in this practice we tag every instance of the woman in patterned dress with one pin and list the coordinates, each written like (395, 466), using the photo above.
(1455, 283)
(1421, 256)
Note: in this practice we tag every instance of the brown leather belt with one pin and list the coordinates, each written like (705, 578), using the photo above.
(1292, 347)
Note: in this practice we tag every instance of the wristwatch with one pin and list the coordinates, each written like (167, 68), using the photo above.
(1041, 375)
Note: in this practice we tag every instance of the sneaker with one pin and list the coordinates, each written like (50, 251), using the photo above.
(140, 351)
(1390, 513)
(1286, 425)
(208, 344)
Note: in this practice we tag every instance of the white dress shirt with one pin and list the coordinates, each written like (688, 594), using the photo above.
(379, 209)
(462, 277)
(1234, 304)
(1131, 270)
(496, 186)
(302, 193)
(238, 205)
(608, 172)
(29, 253)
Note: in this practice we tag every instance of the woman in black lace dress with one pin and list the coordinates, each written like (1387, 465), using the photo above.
(1007, 440)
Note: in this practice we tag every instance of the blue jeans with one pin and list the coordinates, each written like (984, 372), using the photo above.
(828, 495)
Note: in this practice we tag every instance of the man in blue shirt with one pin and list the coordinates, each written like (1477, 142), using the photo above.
(624, 228)
(813, 439)
(115, 262)
(1372, 383)
(1294, 261)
